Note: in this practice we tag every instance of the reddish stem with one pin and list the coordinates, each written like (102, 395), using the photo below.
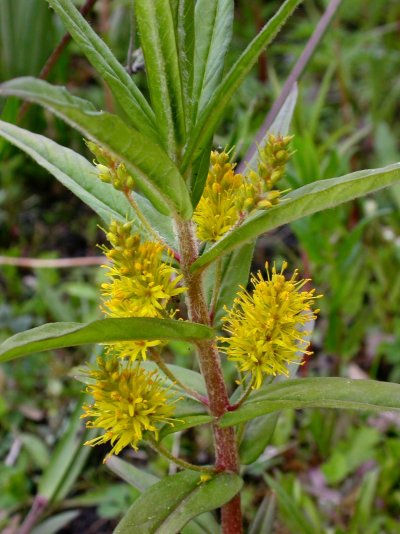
(226, 453)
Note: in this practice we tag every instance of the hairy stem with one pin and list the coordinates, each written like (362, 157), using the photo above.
(226, 454)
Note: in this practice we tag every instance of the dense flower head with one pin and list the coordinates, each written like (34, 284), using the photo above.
(128, 402)
(141, 283)
(266, 326)
(221, 203)
(228, 196)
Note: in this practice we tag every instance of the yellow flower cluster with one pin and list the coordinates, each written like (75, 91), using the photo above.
(266, 325)
(141, 283)
(228, 197)
(110, 170)
(272, 160)
(221, 203)
(128, 402)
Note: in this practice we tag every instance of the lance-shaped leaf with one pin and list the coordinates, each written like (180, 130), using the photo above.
(68, 457)
(59, 335)
(141, 480)
(157, 37)
(341, 393)
(183, 13)
(124, 89)
(153, 170)
(167, 506)
(214, 110)
(80, 176)
(306, 200)
(213, 33)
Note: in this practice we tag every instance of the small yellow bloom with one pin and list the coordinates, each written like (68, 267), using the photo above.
(221, 203)
(141, 284)
(266, 325)
(260, 189)
(109, 170)
(128, 402)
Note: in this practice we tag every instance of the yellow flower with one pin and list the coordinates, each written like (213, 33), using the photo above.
(260, 186)
(141, 284)
(109, 170)
(266, 325)
(128, 402)
(221, 203)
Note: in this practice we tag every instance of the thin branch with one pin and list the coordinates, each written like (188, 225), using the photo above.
(38, 506)
(54, 57)
(146, 225)
(292, 79)
(243, 397)
(57, 263)
(156, 358)
(178, 461)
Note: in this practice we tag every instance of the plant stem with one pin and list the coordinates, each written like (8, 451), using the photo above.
(224, 438)
(155, 357)
(217, 287)
(148, 226)
(243, 397)
(178, 461)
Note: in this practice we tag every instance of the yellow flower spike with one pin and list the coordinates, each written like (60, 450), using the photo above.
(128, 401)
(141, 284)
(109, 169)
(265, 326)
(221, 205)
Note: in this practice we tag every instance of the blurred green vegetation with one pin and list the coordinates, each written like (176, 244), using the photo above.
(333, 473)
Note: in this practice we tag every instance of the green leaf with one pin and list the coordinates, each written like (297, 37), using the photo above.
(142, 480)
(184, 35)
(311, 198)
(79, 176)
(257, 435)
(157, 36)
(199, 174)
(235, 273)
(291, 508)
(191, 379)
(167, 506)
(213, 33)
(124, 89)
(152, 169)
(67, 459)
(56, 523)
(340, 393)
(185, 422)
(215, 108)
(138, 478)
(59, 335)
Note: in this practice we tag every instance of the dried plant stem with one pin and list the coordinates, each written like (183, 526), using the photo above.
(56, 263)
(292, 79)
(178, 461)
(224, 438)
